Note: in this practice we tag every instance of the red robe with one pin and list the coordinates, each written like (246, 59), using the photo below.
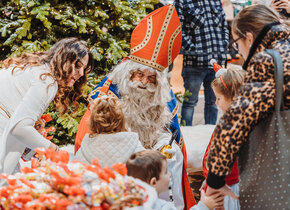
(83, 129)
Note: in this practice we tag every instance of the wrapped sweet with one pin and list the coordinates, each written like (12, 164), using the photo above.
(56, 183)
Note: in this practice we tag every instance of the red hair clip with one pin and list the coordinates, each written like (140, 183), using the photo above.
(219, 71)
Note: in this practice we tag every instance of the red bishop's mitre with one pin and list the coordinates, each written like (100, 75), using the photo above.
(156, 40)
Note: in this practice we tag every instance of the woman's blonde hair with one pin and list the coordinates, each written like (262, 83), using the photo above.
(106, 116)
(229, 82)
(66, 50)
(253, 18)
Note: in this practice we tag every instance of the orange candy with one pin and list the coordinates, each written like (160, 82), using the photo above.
(50, 154)
(70, 180)
(27, 183)
(3, 176)
(13, 187)
(120, 168)
(96, 162)
(23, 198)
(136, 203)
(64, 182)
(66, 169)
(63, 156)
(96, 208)
(4, 193)
(11, 181)
(49, 198)
(104, 176)
(74, 191)
(73, 181)
(40, 150)
(93, 168)
(34, 163)
(109, 172)
(27, 170)
(36, 206)
(62, 204)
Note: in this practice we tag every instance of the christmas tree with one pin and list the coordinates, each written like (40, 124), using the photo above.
(106, 25)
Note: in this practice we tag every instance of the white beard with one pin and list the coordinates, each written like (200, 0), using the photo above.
(144, 115)
(145, 110)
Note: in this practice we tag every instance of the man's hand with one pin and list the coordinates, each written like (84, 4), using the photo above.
(168, 151)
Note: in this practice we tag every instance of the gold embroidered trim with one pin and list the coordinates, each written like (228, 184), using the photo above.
(7, 113)
(180, 143)
(162, 33)
(93, 93)
(174, 112)
(147, 37)
(101, 94)
(110, 93)
(170, 44)
(107, 84)
(147, 62)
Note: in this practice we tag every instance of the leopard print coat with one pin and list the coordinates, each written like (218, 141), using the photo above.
(254, 101)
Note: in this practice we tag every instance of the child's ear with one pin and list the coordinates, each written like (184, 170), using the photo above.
(153, 181)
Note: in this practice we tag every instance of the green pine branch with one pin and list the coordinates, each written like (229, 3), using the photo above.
(106, 25)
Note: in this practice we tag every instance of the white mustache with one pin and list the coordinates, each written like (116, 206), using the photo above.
(137, 84)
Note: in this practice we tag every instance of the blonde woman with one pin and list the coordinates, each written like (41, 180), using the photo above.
(27, 86)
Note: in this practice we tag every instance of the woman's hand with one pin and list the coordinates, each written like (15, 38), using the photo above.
(280, 4)
(225, 190)
(54, 147)
(215, 200)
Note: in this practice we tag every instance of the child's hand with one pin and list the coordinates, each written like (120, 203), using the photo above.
(215, 200)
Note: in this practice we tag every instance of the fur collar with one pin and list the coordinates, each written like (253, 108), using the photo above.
(264, 40)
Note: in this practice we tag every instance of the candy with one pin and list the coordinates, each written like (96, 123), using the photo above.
(56, 183)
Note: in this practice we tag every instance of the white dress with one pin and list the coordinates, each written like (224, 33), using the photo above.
(24, 97)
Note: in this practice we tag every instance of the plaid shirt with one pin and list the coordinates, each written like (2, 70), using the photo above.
(204, 31)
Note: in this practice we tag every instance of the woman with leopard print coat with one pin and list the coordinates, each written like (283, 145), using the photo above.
(255, 29)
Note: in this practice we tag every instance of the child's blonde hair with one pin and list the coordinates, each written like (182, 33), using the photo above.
(145, 165)
(229, 82)
(106, 116)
